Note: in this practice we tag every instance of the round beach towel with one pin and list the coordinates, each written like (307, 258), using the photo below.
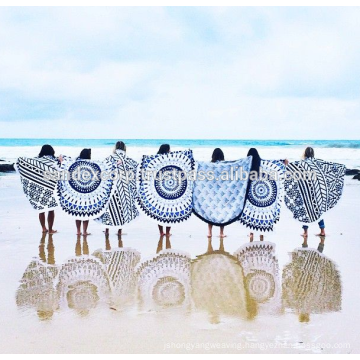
(219, 191)
(264, 197)
(121, 207)
(38, 186)
(315, 187)
(164, 188)
(85, 191)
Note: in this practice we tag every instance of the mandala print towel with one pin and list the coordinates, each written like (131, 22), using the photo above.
(39, 190)
(85, 193)
(311, 283)
(309, 198)
(164, 280)
(165, 192)
(261, 271)
(220, 201)
(264, 197)
(122, 205)
(83, 283)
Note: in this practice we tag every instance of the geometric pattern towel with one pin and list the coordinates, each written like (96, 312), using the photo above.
(38, 189)
(264, 197)
(85, 195)
(165, 193)
(308, 199)
(311, 283)
(120, 265)
(262, 278)
(122, 205)
(220, 201)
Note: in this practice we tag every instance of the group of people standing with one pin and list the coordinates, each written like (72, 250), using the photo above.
(47, 151)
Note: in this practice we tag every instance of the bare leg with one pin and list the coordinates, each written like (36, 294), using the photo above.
(168, 244)
(51, 218)
(85, 246)
(42, 222)
(168, 228)
(78, 227)
(222, 235)
(119, 232)
(78, 246)
(261, 237)
(210, 230)
(106, 231)
(210, 248)
(85, 226)
(120, 243)
(42, 248)
(160, 244)
(51, 250)
(221, 247)
(251, 237)
(107, 243)
(161, 230)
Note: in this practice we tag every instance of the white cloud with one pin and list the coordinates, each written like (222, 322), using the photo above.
(200, 73)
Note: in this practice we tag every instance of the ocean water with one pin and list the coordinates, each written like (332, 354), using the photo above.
(343, 151)
(351, 144)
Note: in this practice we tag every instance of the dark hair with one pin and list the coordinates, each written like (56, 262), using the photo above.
(164, 149)
(47, 150)
(256, 160)
(217, 155)
(120, 145)
(309, 153)
(85, 154)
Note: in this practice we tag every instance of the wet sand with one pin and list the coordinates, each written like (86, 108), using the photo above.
(212, 312)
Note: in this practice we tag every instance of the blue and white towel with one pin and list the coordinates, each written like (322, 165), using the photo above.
(38, 186)
(85, 191)
(219, 191)
(310, 197)
(122, 208)
(264, 197)
(164, 189)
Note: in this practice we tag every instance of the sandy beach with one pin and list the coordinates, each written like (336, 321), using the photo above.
(141, 327)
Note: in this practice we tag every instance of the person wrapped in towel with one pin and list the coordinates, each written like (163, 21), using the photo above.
(219, 191)
(264, 194)
(311, 283)
(40, 189)
(121, 208)
(165, 186)
(85, 189)
(314, 187)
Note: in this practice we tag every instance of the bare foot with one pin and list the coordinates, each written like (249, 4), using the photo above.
(52, 231)
(261, 237)
(251, 237)
(45, 230)
(321, 234)
(304, 235)
(106, 232)
(162, 234)
(79, 234)
(222, 236)
(86, 234)
(209, 236)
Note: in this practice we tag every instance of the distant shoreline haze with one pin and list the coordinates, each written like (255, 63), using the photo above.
(354, 144)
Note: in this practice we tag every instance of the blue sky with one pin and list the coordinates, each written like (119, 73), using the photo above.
(246, 73)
